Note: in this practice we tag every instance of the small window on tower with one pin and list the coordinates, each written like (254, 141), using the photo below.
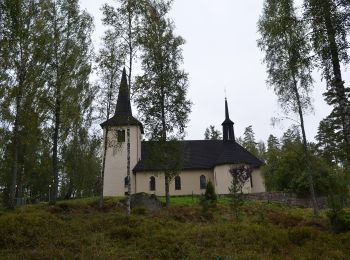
(121, 136)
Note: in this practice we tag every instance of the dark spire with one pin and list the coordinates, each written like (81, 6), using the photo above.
(123, 103)
(123, 114)
(227, 126)
(227, 116)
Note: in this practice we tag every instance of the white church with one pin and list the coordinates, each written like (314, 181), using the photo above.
(203, 159)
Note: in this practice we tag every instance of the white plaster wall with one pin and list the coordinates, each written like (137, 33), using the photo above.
(190, 182)
(223, 179)
(258, 181)
(116, 161)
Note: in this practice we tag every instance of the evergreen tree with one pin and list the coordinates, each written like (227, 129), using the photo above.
(212, 134)
(329, 26)
(161, 89)
(249, 142)
(330, 142)
(272, 157)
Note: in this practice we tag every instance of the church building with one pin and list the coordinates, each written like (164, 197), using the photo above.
(203, 159)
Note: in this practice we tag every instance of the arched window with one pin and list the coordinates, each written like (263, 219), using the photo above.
(152, 183)
(126, 181)
(177, 183)
(202, 182)
(121, 136)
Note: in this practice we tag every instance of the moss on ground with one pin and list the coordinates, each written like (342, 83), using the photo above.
(78, 229)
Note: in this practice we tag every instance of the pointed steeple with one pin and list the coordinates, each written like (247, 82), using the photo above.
(227, 116)
(123, 107)
(227, 126)
(123, 114)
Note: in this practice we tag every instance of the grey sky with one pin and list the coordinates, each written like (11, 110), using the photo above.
(221, 52)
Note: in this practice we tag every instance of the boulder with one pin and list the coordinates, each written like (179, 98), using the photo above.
(144, 200)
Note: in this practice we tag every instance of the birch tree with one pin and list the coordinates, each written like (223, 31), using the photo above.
(160, 92)
(124, 25)
(22, 61)
(287, 56)
(68, 73)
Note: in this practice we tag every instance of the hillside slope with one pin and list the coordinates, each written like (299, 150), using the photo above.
(77, 229)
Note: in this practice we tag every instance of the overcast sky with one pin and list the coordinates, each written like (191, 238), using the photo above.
(221, 53)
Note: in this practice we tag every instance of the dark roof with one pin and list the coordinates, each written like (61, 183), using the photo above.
(205, 154)
(123, 113)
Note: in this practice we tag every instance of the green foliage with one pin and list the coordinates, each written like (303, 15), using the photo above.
(285, 168)
(249, 142)
(209, 199)
(161, 90)
(212, 134)
(287, 50)
(83, 231)
(44, 89)
(240, 176)
(340, 220)
(329, 28)
(330, 142)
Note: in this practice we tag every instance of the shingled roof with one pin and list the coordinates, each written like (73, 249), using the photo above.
(205, 154)
(123, 113)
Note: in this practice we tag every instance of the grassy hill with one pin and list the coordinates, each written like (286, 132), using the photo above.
(77, 229)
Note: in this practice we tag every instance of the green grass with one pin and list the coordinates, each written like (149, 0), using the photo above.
(78, 229)
(182, 200)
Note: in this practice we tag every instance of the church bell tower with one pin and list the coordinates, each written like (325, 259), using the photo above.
(227, 126)
(115, 175)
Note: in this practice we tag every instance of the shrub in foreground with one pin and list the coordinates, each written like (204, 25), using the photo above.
(208, 200)
(340, 220)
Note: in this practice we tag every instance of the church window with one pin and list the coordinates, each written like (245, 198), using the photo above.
(152, 183)
(251, 181)
(202, 182)
(121, 136)
(126, 181)
(177, 183)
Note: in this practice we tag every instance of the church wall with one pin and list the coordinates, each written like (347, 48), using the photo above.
(258, 181)
(223, 179)
(116, 161)
(190, 182)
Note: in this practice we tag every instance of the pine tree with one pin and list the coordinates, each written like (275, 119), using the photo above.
(249, 142)
(212, 134)
(329, 27)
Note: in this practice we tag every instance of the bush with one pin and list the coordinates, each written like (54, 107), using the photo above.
(209, 199)
(340, 220)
